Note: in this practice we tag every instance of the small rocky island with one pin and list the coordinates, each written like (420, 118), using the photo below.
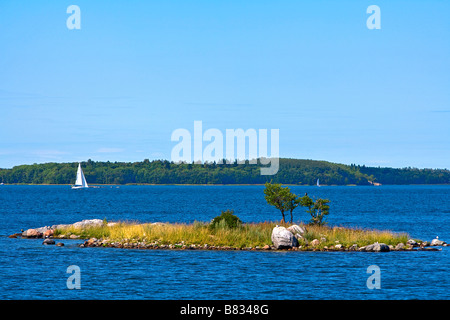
(262, 236)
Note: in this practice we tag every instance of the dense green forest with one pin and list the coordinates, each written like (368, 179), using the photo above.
(291, 171)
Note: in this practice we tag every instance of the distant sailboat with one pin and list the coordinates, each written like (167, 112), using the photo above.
(318, 184)
(81, 180)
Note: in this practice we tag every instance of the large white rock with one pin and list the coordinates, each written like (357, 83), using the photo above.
(437, 242)
(282, 238)
(88, 223)
(297, 229)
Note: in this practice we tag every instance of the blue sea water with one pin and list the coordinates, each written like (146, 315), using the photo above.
(30, 270)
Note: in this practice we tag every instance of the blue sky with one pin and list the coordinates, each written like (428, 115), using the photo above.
(137, 70)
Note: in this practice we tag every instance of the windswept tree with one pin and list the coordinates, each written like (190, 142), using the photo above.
(317, 209)
(273, 193)
(293, 201)
(281, 198)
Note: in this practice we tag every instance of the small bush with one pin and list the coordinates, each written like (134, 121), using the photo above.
(227, 219)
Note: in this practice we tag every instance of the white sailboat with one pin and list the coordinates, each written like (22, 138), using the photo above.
(81, 180)
(318, 184)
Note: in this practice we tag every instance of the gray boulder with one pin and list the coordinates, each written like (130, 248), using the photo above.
(376, 247)
(48, 241)
(282, 238)
(297, 229)
(298, 232)
(380, 247)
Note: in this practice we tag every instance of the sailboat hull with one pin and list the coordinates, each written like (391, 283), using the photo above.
(79, 187)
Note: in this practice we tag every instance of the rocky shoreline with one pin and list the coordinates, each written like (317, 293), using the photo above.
(287, 239)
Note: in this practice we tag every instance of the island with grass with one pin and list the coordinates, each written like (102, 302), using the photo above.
(228, 232)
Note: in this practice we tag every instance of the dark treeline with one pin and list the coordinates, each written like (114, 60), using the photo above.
(291, 171)
(408, 175)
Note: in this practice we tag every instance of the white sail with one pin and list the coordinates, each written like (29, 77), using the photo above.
(81, 180)
(318, 184)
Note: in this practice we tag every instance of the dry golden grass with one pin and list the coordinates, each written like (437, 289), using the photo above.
(247, 235)
(350, 236)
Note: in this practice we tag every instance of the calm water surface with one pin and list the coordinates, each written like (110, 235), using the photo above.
(30, 270)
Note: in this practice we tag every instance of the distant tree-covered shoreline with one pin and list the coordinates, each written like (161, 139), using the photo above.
(291, 171)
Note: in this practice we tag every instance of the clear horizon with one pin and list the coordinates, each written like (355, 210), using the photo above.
(116, 89)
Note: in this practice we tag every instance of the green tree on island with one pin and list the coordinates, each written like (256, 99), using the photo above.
(284, 200)
(293, 201)
(317, 209)
(281, 198)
